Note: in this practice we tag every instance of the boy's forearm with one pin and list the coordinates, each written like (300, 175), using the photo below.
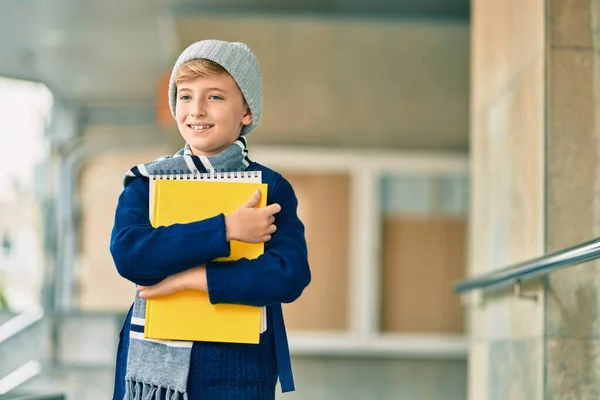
(193, 278)
(278, 276)
(148, 255)
(270, 279)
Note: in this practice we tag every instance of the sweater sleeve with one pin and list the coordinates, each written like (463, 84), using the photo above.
(145, 255)
(277, 276)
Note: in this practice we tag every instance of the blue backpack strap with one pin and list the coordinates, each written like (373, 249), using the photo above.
(282, 351)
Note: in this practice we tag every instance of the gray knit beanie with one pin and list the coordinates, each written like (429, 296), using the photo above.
(238, 60)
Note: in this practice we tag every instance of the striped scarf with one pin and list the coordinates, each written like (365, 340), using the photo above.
(157, 365)
(233, 158)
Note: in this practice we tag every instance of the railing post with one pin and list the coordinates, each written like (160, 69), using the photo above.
(518, 291)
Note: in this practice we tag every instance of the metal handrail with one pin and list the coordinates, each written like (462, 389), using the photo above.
(24, 373)
(20, 322)
(46, 396)
(533, 268)
(11, 328)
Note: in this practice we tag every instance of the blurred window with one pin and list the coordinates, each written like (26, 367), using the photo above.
(25, 109)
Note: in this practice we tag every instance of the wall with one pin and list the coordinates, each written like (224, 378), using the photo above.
(352, 82)
(573, 203)
(507, 196)
(107, 154)
(328, 242)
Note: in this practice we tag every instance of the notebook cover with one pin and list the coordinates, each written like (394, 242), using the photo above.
(188, 314)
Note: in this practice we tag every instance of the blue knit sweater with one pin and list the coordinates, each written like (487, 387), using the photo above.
(146, 255)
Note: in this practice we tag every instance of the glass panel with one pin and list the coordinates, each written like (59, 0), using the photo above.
(423, 252)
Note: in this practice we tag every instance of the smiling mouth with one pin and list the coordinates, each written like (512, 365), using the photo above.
(203, 127)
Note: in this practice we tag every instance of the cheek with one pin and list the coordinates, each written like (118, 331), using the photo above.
(224, 115)
(179, 113)
(237, 114)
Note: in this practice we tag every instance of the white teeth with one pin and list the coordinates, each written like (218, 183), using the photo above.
(199, 127)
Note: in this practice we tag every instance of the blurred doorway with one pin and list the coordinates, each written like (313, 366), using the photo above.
(25, 109)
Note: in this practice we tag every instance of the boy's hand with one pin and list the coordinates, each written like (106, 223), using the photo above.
(252, 225)
(193, 278)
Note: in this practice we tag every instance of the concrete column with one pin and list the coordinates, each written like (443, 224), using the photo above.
(507, 198)
(536, 189)
(573, 197)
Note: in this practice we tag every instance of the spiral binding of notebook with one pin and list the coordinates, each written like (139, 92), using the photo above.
(227, 176)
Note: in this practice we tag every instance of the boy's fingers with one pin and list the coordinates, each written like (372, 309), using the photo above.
(154, 291)
(254, 199)
(273, 209)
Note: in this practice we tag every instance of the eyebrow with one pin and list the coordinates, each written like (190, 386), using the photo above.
(211, 89)
(217, 89)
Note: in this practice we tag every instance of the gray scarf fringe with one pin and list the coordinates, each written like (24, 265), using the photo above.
(157, 365)
(144, 391)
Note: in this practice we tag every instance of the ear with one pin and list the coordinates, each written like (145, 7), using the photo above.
(247, 118)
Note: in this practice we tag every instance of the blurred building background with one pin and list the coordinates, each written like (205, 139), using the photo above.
(450, 138)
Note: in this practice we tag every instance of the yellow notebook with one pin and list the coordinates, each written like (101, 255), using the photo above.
(188, 314)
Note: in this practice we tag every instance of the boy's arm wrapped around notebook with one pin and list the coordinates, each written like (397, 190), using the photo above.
(145, 255)
(193, 278)
(280, 274)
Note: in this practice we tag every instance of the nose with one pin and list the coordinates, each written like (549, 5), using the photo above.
(199, 109)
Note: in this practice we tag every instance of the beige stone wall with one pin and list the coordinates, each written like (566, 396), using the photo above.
(352, 82)
(573, 211)
(107, 153)
(507, 198)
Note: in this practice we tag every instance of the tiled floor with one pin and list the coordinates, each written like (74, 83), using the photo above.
(316, 379)
(381, 379)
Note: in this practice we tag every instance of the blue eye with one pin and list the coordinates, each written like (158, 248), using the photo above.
(215, 97)
(184, 97)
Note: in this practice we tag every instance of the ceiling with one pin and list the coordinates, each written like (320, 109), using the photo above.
(84, 50)
(90, 52)
(390, 8)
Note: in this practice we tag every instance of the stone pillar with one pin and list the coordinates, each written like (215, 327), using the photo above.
(507, 197)
(536, 189)
(573, 197)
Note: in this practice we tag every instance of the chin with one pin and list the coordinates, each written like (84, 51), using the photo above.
(204, 150)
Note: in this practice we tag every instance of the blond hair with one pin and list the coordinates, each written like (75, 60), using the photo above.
(198, 68)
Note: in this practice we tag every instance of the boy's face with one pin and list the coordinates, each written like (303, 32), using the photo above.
(210, 113)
